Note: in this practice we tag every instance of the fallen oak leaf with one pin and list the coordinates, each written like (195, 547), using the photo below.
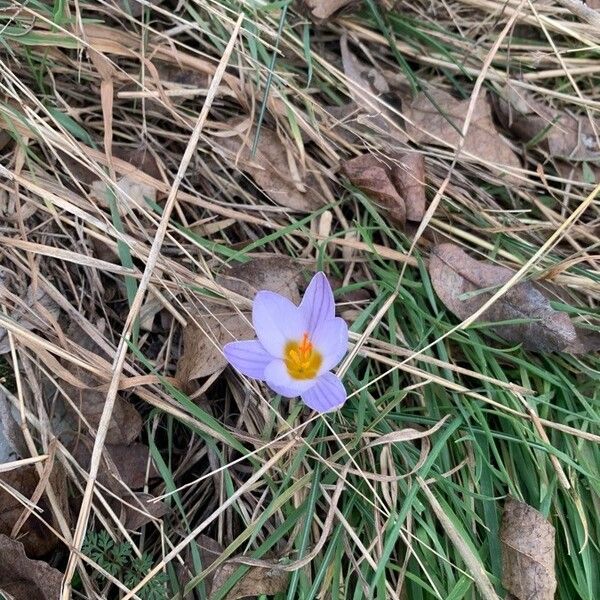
(464, 285)
(23, 578)
(438, 118)
(559, 133)
(528, 541)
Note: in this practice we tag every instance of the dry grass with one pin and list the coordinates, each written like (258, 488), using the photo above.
(84, 86)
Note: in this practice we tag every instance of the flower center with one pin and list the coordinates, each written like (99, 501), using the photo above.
(301, 359)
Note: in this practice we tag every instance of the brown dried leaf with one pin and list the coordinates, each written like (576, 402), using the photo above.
(5, 139)
(140, 159)
(147, 509)
(256, 582)
(465, 284)
(127, 466)
(426, 124)
(125, 424)
(202, 345)
(131, 462)
(276, 273)
(23, 578)
(368, 85)
(374, 177)
(321, 10)
(34, 534)
(31, 311)
(398, 184)
(558, 133)
(130, 193)
(270, 168)
(527, 552)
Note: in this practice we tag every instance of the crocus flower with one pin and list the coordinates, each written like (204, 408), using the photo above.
(297, 346)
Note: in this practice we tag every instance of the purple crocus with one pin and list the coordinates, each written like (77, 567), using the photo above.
(297, 346)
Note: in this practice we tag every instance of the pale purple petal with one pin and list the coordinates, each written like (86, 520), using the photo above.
(318, 304)
(327, 394)
(278, 379)
(331, 340)
(248, 357)
(276, 322)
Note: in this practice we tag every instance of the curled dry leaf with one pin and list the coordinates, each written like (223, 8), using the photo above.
(397, 183)
(374, 178)
(270, 167)
(216, 325)
(464, 285)
(32, 311)
(560, 134)
(24, 579)
(527, 539)
(321, 10)
(440, 122)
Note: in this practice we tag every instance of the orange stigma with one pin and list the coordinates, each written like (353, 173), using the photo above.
(301, 358)
(305, 347)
